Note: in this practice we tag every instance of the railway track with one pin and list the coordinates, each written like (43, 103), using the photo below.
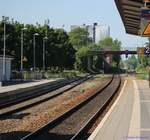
(74, 123)
(25, 104)
(15, 97)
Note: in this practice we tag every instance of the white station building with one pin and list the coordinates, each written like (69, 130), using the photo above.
(96, 32)
(8, 60)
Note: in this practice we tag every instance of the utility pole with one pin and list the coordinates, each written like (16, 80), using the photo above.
(44, 41)
(46, 23)
(4, 48)
(149, 64)
(43, 54)
(34, 35)
(22, 39)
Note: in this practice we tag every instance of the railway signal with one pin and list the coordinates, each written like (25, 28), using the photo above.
(126, 52)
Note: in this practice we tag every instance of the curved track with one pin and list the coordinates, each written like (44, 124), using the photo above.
(73, 123)
(15, 97)
(43, 98)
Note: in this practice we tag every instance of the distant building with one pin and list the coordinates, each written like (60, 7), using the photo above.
(90, 31)
(102, 32)
(96, 32)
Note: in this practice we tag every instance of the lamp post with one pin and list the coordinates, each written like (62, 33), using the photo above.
(46, 22)
(34, 35)
(44, 40)
(4, 19)
(21, 59)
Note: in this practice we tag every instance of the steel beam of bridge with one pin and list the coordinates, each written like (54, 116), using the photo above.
(122, 51)
(101, 52)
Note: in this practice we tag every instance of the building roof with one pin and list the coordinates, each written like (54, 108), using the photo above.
(130, 13)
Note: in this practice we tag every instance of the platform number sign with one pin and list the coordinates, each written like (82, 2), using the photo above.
(147, 51)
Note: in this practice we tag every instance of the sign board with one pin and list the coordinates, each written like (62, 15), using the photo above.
(143, 51)
(140, 51)
(145, 28)
(145, 13)
(145, 22)
(147, 51)
(146, 31)
(25, 59)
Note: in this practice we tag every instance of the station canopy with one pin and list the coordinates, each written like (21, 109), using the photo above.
(130, 12)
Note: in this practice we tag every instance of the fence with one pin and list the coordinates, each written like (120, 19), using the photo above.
(26, 75)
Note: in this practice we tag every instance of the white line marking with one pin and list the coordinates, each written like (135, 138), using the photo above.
(145, 101)
(145, 129)
(94, 134)
(134, 129)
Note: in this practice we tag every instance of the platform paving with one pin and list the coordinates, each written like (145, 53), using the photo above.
(129, 117)
(145, 109)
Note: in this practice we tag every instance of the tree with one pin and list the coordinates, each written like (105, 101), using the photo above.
(143, 61)
(110, 44)
(116, 47)
(13, 33)
(63, 54)
(79, 37)
(132, 62)
(106, 43)
(81, 59)
(59, 51)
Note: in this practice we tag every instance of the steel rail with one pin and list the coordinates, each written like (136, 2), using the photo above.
(36, 93)
(65, 115)
(16, 110)
(82, 133)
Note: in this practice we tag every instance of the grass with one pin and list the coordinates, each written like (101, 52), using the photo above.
(142, 76)
(82, 90)
(48, 74)
(63, 74)
(27, 75)
(99, 76)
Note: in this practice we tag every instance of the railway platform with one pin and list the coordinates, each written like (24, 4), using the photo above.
(5, 89)
(129, 116)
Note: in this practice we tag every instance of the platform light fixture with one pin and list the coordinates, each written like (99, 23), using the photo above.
(44, 41)
(22, 41)
(4, 20)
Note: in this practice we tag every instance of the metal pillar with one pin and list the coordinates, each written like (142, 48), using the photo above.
(43, 54)
(22, 41)
(149, 64)
(104, 65)
(34, 53)
(21, 67)
(4, 49)
(89, 63)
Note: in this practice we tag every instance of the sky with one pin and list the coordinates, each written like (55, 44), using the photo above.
(70, 12)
